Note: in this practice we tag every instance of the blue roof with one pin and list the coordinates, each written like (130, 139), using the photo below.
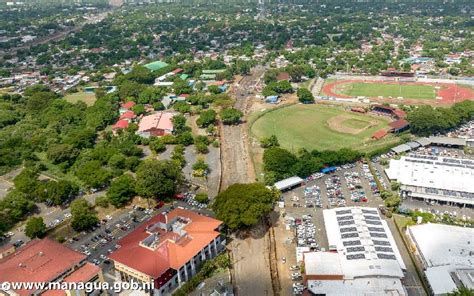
(328, 170)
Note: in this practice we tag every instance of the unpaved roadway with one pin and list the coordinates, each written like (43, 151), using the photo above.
(251, 267)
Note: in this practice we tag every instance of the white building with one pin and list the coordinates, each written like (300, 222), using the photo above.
(447, 255)
(364, 260)
(444, 179)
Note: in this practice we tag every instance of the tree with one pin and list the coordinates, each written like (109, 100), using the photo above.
(27, 181)
(279, 161)
(93, 174)
(202, 198)
(121, 190)
(231, 116)
(83, 215)
(305, 96)
(35, 227)
(179, 124)
(59, 153)
(244, 205)
(295, 73)
(268, 142)
(206, 118)
(214, 89)
(462, 291)
(157, 145)
(158, 179)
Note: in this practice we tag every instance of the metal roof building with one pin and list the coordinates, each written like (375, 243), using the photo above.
(364, 259)
(430, 177)
(288, 183)
(447, 257)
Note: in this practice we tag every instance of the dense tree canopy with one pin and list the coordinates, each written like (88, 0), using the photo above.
(35, 227)
(83, 215)
(158, 179)
(244, 205)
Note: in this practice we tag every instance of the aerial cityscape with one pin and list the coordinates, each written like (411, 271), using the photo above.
(248, 148)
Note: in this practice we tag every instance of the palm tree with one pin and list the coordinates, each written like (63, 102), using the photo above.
(462, 291)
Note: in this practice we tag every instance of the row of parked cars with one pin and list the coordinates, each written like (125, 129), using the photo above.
(354, 185)
(370, 178)
(312, 196)
(334, 190)
(190, 199)
(306, 232)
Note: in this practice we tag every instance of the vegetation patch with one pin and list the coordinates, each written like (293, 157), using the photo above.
(88, 98)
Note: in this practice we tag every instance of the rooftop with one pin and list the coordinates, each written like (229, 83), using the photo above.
(159, 120)
(38, 261)
(168, 240)
(433, 172)
(363, 241)
(153, 66)
(446, 255)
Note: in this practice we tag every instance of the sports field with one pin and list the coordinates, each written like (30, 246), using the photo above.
(408, 91)
(320, 127)
(88, 98)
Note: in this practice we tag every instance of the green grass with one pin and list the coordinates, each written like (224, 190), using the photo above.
(88, 98)
(305, 126)
(363, 89)
(357, 123)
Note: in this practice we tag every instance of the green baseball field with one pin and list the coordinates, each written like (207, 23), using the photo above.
(320, 127)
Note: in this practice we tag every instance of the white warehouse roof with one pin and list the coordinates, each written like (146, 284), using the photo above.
(447, 254)
(433, 172)
(288, 183)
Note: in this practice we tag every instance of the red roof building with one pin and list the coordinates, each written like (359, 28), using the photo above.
(128, 115)
(128, 105)
(44, 261)
(283, 76)
(158, 124)
(399, 125)
(121, 124)
(379, 134)
(168, 249)
(176, 71)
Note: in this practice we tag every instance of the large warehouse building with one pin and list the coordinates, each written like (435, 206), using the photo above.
(447, 256)
(363, 258)
(444, 179)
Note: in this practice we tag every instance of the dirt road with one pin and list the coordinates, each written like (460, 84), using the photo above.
(251, 266)
(237, 166)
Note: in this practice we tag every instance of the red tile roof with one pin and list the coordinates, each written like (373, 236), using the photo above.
(399, 113)
(128, 115)
(398, 124)
(172, 251)
(128, 105)
(38, 261)
(379, 134)
(121, 124)
(83, 274)
(283, 76)
(176, 71)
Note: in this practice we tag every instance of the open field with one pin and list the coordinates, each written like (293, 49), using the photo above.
(88, 98)
(389, 91)
(320, 127)
(363, 89)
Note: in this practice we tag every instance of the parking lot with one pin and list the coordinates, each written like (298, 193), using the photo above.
(350, 185)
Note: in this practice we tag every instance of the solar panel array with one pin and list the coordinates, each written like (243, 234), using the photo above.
(355, 256)
(343, 212)
(350, 234)
(355, 249)
(384, 249)
(348, 229)
(348, 222)
(377, 229)
(376, 234)
(352, 243)
(343, 218)
(385, 256)
(371, 218)
(369, 212)
(373, 222)
(381, 243)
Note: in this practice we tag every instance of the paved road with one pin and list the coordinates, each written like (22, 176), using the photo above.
(49, 215)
